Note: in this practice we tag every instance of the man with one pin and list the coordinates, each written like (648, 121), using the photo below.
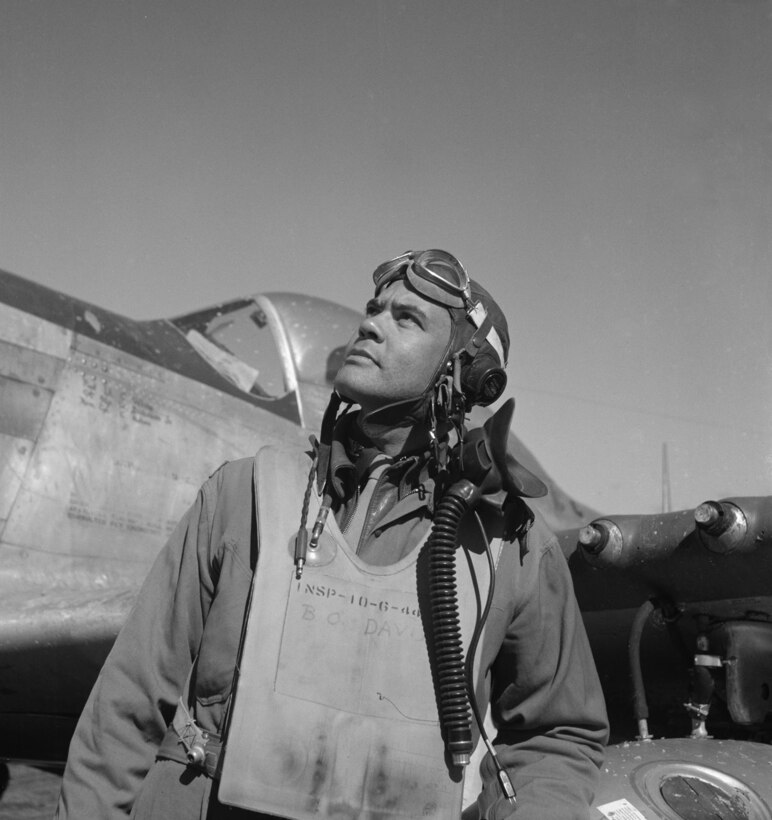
(333, 711)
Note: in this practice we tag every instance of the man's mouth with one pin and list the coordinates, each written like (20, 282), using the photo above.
(359, 353)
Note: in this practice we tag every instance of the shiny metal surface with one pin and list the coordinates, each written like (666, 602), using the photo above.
(685, 779)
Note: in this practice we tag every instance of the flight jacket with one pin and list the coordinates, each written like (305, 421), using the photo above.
(537, 669)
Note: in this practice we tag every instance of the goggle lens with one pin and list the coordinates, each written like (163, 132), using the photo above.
(439, 276)
(435, 274)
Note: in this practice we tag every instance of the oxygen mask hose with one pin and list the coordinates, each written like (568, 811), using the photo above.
(455, 714)
(480, 465)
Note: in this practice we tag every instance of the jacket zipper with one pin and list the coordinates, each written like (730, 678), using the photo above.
(370, 506)
(350, 514)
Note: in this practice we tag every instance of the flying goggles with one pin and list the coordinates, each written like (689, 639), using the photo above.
(439, 276)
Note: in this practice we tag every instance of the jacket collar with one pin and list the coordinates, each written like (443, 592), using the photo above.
(351, 454)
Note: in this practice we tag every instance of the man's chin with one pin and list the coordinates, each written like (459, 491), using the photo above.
(346, 387)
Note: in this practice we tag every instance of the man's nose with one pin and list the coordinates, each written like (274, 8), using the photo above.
(370, 328)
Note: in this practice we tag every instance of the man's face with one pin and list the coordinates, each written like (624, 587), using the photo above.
(396, 350)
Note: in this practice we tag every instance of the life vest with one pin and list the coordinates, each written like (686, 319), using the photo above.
(335, 710)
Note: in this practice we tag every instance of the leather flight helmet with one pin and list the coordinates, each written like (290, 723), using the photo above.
(479, 341)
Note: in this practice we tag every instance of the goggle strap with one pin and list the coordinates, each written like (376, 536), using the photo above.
(485, 330)
(457, 373)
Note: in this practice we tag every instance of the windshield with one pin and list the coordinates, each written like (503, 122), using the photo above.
(236, 339)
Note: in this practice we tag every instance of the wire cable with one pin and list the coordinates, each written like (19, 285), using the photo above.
(503, 778)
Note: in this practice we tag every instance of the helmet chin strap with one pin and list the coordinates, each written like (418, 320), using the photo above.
(404, 413)
(447, 410)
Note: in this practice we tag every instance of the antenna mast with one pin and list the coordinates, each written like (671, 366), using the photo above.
(667, 501)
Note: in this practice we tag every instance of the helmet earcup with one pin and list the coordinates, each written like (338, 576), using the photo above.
(483, 379)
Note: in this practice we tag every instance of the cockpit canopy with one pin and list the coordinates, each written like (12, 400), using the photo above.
(271, 346)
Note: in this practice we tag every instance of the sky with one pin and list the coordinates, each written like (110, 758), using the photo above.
(603, 167)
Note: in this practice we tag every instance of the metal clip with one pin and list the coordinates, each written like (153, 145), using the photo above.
(191, 735)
